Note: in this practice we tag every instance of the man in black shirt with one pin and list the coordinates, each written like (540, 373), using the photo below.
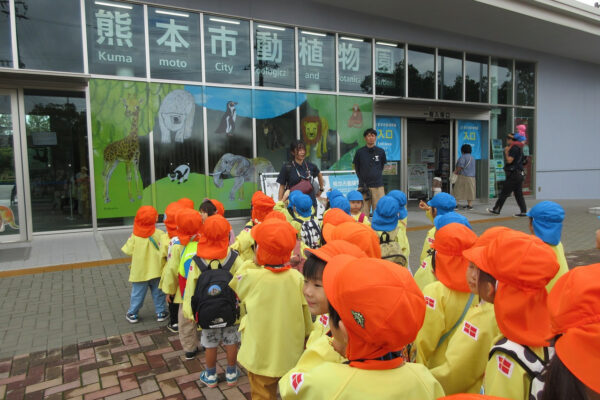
(368, 164)
(514, 178)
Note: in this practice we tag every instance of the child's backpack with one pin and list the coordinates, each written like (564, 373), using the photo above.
(390, 248)
(214, 303)
(530, 362)
(310, 233)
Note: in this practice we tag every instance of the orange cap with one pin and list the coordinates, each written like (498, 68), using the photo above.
(219, 206)
(170, 218)
(214, 242)
(276, 215)
(574, 305)
(186, 203)
(369, 294)
(332, 218)
(189, 223)
(275, 239)
(261, 206)
(144, 221)
(358, 234)
(471, 396)
(450, 265)
(522, 265)
(336, 247)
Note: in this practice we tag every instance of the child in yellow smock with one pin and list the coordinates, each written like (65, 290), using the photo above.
(356, 204)
(400, 197)
(385, 224)
(261, 206)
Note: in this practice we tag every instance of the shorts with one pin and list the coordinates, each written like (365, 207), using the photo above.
(211, 338)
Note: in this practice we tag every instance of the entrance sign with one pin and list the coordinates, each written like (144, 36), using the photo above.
(227, 50)
(388, 136)
(469, 132)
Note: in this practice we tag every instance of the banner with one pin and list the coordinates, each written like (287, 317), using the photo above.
(388, 136)
(469, 132)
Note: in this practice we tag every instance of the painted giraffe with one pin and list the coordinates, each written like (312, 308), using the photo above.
(126, 150)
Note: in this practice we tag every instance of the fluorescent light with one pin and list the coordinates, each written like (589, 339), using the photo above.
(227, 21)
(387, 44)
(177, 14)
(313, 33)
(352, 39)
(275, 28)
(101, 3)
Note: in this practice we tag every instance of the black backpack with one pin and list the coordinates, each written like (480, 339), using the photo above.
(310, 233)
(214, 303)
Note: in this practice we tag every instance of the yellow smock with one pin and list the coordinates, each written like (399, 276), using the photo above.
(319, 351)
(244, 243)
(364, 221)
(146, 260)
(277, 320)
(427, 244)
(424, 274)
(169, 280)
(319, 328)
(563, 267)
(402, 238)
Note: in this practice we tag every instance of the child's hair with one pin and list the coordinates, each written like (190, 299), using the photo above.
(484, 277)
(334, 317)
(313, 268)
(437, 173)
(560, 383)
(208, 207)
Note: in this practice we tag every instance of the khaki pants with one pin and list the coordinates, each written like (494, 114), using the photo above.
(262, 387)
(376, 194)
(188, 333)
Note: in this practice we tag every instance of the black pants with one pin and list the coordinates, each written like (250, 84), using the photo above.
(513, 183)
(173, 311)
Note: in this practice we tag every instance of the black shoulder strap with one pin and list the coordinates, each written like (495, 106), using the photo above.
(530, 361)
(231, 257)
(200, 263)
(384, 238)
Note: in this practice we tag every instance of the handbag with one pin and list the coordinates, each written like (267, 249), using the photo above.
(304, 186)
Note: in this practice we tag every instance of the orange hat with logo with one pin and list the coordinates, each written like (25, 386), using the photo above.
(276, 215)
(261, 206)
(332, 218)
(144, 223)
(214, 242)
(450, 265)
(189, 223)
(522, 265)
(358, 234)
(335, 248)
(170, 218)
(275, 239)
(370, 294)
(186, 203)
(574, 305)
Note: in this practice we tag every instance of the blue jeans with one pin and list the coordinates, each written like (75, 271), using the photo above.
(138, 293)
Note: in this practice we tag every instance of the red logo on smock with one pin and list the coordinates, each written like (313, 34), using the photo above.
(430, 302)
(505, 366)
(297, 380)
(324, 319)
(471, 330)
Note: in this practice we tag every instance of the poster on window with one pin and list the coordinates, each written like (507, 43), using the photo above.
(469, 132)
(388, 136)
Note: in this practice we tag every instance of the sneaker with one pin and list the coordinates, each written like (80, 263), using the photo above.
(133, 318)
(521, 215)
(209, 380)
(173, 327)
(190, 355)
(492, 211)
(232, 378)
(162, 316)
(469, 207)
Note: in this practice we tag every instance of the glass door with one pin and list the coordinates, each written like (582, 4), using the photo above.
(12, 203)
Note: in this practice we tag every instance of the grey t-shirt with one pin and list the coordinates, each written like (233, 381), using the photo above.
(467, 162)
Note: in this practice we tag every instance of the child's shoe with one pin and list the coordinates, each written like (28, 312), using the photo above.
(173, 327)
(190, 355)
(209, 380)
(133, 318)
(232, 377)
(162, 316)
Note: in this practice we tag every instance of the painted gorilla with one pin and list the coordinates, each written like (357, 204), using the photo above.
(242, 169)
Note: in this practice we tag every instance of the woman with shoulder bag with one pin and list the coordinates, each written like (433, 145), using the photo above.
(465, 188)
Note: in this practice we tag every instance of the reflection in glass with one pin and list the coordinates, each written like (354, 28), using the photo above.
(274, 63)
(5, 42)
(501, 81)
(317, 128)
(316, 60)
(389, 69)
(354, 115)
(9, 213)
(227, 50)
(355, 59)
(49, 35)
(501, 123)
(525, 83)
(57, 154)
(524, 124)
(476, 78)
(421, 67)
(449, 75)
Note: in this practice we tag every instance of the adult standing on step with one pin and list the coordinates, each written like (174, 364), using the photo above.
(514, 177)
(368, 164)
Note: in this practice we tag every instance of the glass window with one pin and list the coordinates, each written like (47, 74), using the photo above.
(450, 65)
(5, 43)
(501, 81)
(316, 60)
(49, 35)
(421, 67)
(227, 50)
(525, 83)
(274, 63)
(389, 69)
(501, 123)
(476, 78)
(8, 182)
(355, 114)
(234, 171)
(355, 59)
(318, 125)
(116, 40)
(57, 154)
(175, 48)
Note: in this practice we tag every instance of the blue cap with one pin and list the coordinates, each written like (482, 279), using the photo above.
(332, 194)
(354, 195)
(303, 204)
(385, 217)
(340, 202)
(443, 202)
(547, 221)
(400, 197)
(452, 217)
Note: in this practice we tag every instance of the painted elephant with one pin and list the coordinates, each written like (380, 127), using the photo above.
(240, 168)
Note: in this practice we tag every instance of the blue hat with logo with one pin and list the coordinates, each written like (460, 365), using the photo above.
(303, 204)
(340, 202)
(332, 194)
(354, 195)
(547, 221)
(443, 202)
(385, 217)
(400, 197)
(452, 217)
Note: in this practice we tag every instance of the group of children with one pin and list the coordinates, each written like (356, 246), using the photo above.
(330, 310)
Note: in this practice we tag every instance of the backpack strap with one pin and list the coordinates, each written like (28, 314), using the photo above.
(458, 321)
(231, 257)
(523, 355)
(153, 242)
(361, 218)
(201, 264)
(384, 237)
